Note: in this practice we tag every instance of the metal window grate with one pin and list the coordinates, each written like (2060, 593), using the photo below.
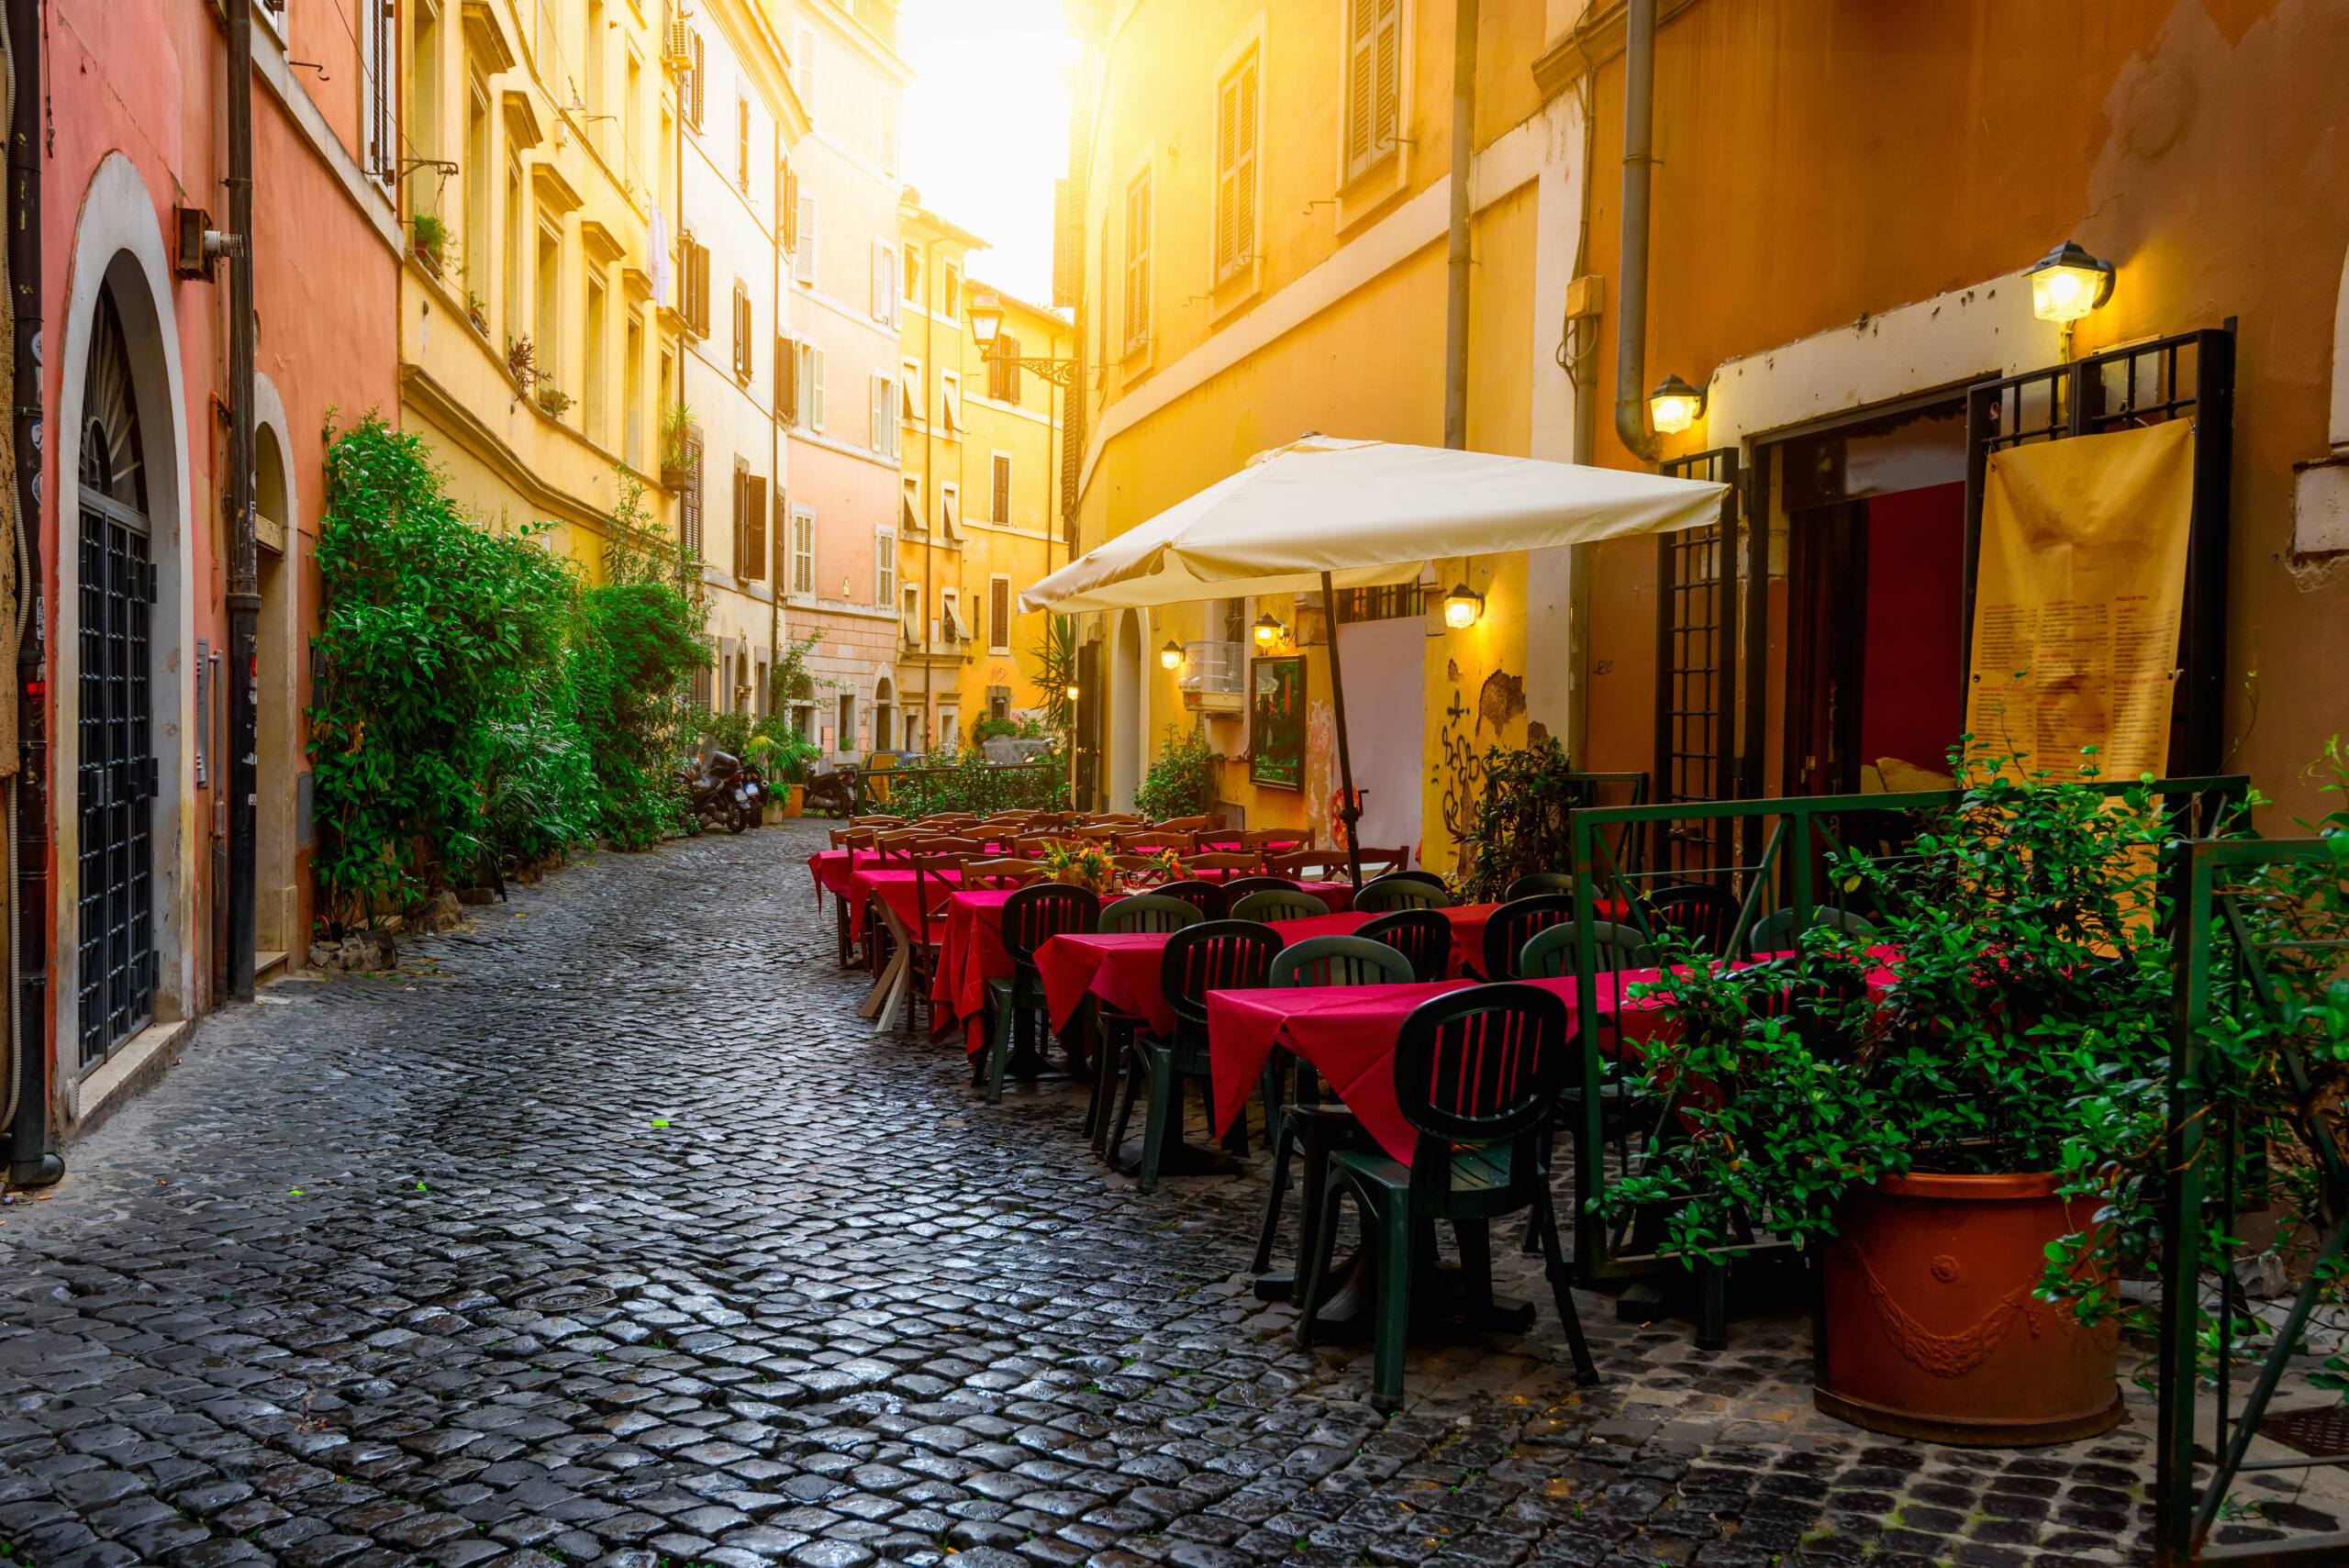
(1696, 693)
(116, 781)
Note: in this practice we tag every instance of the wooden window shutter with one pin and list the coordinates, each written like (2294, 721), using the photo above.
(1010, 363)
(689, 499)
(1227, 144)
(789, 208)
(1387, 105)
(999, 500)
(742, 143)
(999, 613)
(1137, 262)
(742, 365)
(786, 381)
(741, 487)
(1362, 75)
(1243, 181)
(750, 560)
(802, 256)
(696, 74)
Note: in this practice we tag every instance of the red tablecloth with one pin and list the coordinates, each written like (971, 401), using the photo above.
(830, 868)
(892, 887)
(1468, 931)
(1348, 1032)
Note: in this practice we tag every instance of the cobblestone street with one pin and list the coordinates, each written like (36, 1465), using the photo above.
(604, 1231)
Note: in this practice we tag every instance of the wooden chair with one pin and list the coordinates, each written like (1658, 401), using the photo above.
(1397, 890)
(1223, 859)
(1514, 923)
(1277, 841)
(1310, 1122)
(1478, 1074)
(1104, 834)
(1332, 864)
(1271, 903)
(1421, 936)
(1031, 848)
(1186, 826)
(937, 878)
(1155, 839)
(1381, 862)
(1215, 955)
(1001, 872)
(852, 838)
(1032, 917)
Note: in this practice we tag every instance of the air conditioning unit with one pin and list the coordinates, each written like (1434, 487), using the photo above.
(678, 45)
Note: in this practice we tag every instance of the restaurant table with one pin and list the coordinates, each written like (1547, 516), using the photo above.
(893, 892)
(1348, 1033)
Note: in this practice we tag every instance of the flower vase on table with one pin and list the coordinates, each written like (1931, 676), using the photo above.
(1081, 866)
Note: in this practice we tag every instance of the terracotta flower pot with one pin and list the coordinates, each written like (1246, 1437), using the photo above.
(794, 800)
(1931, 1329)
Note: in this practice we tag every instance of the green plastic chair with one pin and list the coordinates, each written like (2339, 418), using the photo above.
(1424, 936)
(1535, 882)
(1514, 923)
(1307, 1123)
(1774, 932)
(1477, 1074)
(1548, 954)
(1278, 904)
(1032, 917)
(1215, 955)
(1113, 1031)
(1400, 890)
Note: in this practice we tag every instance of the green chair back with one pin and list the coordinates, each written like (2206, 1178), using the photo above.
(1278, 904)
(1339, 961)
(1513, 925)
(1535, 882)
(1422, 936)
(1149, 912)
(1400, 890)
(1774, 932)
(1550, 953)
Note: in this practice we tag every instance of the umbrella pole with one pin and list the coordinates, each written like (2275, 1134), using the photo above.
(1350, 807)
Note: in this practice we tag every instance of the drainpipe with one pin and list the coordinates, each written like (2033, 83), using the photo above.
(244, 565)
(778, 505)
(1631, 287)
(1455, 304)
(31, 1161)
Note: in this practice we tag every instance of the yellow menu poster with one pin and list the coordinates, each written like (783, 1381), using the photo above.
(2078, 594)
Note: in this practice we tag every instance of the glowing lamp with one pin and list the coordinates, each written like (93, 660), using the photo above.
(1268, 631)
(2069, 282)
(1463, 607)
(987, 319)
(1171, 656)
(1074, 694)
(1674, 405)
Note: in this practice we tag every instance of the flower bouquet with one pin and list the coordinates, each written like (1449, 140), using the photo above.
(1085, 865)
(1159, 869)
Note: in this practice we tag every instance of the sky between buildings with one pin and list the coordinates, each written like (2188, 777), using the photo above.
(986, 127)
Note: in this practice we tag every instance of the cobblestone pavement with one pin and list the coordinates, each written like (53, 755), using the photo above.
(606, 1233)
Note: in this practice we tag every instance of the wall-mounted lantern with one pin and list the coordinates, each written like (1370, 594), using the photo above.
(2068, 283)
(1171, 656)
(1463, 607)
(1674, 405)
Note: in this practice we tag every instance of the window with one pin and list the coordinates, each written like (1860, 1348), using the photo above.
(424, 81)
(889, 133)
(950, 629)
(884, 567)
(1137, 317)
(693, 283)
(810, 390)
(1373, 82)
(632, 120)
(909, 517)
(1003, 369)
(803, 254)
(882, 433)
(803, 550)
(692, 87)
(689, 498)
(803, 73)
(786, 379)
(999, 615)
(593, 374)
(846, 740)
(909, 614)
(999, 495)
(909, 270)
(479, 177)
(591, 63)
(749, 524)
(378, 63)
(1235, 162)
(549, 319)
(632, 393)
(950, 295)
(950, 403)
(744, 369)
(518, 308)
(910, 382)
(884, 283)
(950, 511)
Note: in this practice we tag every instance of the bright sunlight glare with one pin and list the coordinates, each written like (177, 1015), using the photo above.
(986, 127)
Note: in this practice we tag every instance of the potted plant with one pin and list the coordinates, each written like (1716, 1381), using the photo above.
(1905, 1105)
(553, 399)
(676, 434)
(429, 241)
(1085, 865)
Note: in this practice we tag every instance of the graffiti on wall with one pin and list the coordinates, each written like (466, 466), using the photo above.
(1461, 761)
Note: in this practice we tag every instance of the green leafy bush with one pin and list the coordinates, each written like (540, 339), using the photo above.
(1182, 782)
(1522, 819)
(963, 780)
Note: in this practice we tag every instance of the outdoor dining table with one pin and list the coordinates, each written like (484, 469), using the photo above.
(893, 892)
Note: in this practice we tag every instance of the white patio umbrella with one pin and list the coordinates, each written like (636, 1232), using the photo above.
(1334, 513)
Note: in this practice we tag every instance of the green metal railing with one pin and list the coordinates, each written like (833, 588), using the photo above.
(2234, 984)
(1803, 835)
(1003, 787)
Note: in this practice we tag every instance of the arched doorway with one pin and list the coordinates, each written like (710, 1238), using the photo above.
(277, 902)
(1129, 714)
(116, 768)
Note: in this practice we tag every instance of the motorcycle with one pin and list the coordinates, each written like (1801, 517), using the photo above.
(727, 792)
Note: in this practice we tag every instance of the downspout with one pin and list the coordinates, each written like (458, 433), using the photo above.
(778, 505)
(31, 1161)
(929, 464)
(1631, 287)
(244, 562)
(1456, 303)
(1578, 353)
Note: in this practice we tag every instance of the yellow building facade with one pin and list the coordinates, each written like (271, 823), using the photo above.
(980, 519)
(538, 327)
(1259, 217)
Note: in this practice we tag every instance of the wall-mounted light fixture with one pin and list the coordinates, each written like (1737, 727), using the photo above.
(1674, 405)
(1463, 607)
(1268, 631)
(1171, 656)
(2068, 283)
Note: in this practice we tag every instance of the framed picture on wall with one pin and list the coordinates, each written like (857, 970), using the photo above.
(1277, 722)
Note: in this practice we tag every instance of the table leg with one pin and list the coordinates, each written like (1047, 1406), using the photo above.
(897, 976)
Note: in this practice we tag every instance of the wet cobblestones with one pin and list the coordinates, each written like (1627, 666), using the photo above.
(605, 1232)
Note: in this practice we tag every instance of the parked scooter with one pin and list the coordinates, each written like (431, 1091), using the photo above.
(727, 792)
